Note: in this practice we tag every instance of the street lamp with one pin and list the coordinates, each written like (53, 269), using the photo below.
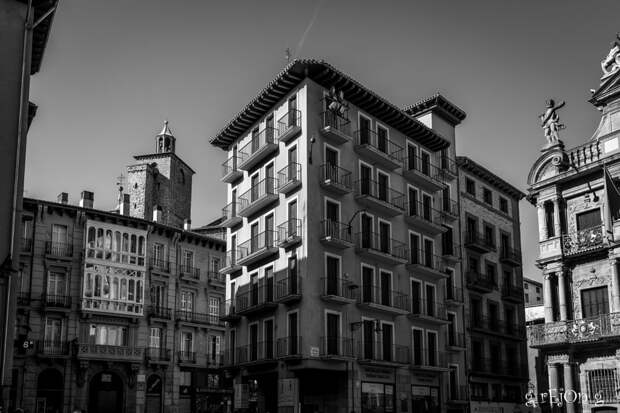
(362, 211)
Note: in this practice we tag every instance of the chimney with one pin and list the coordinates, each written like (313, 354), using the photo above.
(157, 214)
(124, 210)
(187, 224)
(63, 198)
(87, 199)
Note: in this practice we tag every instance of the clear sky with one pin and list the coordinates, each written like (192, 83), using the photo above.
(114, 70)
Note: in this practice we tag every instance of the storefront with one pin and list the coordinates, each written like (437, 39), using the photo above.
(377, 397)
(425, 399)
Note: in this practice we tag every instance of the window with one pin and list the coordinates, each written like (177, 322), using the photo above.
(418, 355)
(215, 264)
(187, 301)
(382, 139)
(491, 272)
(158, 252)
(56, 284)
(527, 298)
(155, 337)
(489, 235)
(594, 301)
(503, 205)
(487, 196)
(431, 343)
(538, 290)
(188, 259)
(215, 347)
(59, 234)
(604, 382)
(108, 335)
(187, 342)
(470, 186)
(588, 219)
(526, 286)
(53, 331)
(214, 310)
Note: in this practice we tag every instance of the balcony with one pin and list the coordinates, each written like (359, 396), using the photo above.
(261, 145)
(289, 347)
(156, 355)
(189, 273)
(289, 233)
(26, 245)
(430, 311)
(258, 197)
(435, 361)
(512, 293)
(378, 246)
(288, 288)
(110, 353)
(112, 306)
(336, 234)
(448, 169)
(498, 367)
(378, 149)
(215, 361)
(289, 178)
(450, 252)
(230, 170)
(58, 301)
(449, 210)
(339, 290)
(478, 242)
(336, 348)
(584, 241)
(231, 262)
(603, 327)
(228, 311)
(426, 263)
(384, 300)
(335, 179)
(378, 352)
(289, 125)
(191, 317)
(257, 353)
(380, 198)
(256, 299)
(158, 312)
(480, 282)
(454, 296)
(230, 215)
(258, 247)
(455, 341)
(160, 265)
(214, 277)
(422, 173)
(336, 129)
(58, 249)
(510, 256)
(424, 218)
(53, 348)
(186, 357)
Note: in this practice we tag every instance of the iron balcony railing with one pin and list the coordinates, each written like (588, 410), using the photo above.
(474, 238)
(584, 240)
(512, 291)
(54, 347)
(476, 279)
(379, 351)
(257, 192)
(289, 347)
(336, 346)
(26, 244)
(447, 165)
(255, 296)
(231, 258)
(259, 351)
(257, 142)
(230, 165)
(190, 272)
(383, 244)
(215, 276)
(258, 243)
(337, 231)
(186, 357)
(57, 300)
(197, 318)
(450, 249)
(425, 167)
(425, 358)
(454, 339)
(289, 230)
(99, 351)
(335, 175)
(339, 287)
(58, 249)
(160, 264)
(426, 259)
(160, 312)
(449, 207)
(287, 286)
(157, 354)
(454, 294)
(291, 119)
(334, 121)
(377, 191)
(385, 297)
(380, 143)
(495, 325)
(510, 254)
(424, 211)
(228, 309)
(231, 210)
(498, 366)
(290, 174)
(583, 330)
(427, 308)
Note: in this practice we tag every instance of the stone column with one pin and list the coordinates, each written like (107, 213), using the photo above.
(542, 222)
(615, 285)
(553, 383)
(562, 295)
(556, 217)
(568, 386)
(548, 300)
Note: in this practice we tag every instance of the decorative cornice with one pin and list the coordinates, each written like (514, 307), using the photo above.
(163, 155)
(438, 103)
(488, 176)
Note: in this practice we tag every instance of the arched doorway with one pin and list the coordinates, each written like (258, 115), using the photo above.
(105, 393)
(153, 393)
(50, 391)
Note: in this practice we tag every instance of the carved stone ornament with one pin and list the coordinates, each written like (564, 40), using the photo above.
(550, 122)
(584, 330)
(611, 63)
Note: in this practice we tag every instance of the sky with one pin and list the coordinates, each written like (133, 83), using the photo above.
(114, 70)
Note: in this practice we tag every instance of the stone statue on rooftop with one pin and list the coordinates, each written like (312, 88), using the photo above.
(550, 122)
(611, 63)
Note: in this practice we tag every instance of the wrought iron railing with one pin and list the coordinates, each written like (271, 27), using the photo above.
(257, 192)
(255, 296)
(425, 259)
(58, 249)
(454, 294)
(289, 347)
(379, 243)
(256, 143)
(160, 264)
(337, 231)
(291, 119)
(427, 308)
(231, 210)
(375, 190)
(258, 243)
(377, 350)
(336, 346)
(476, 279)
(389, 298)
(380, 143)
(197, 318)
(287, 285)
(575, 331)
(190, 272)
(424, 211)
(157, 354)
(186, 357)
(230, 165)
(479, 239)
(334, 121)
(53, 347)
(160, 312)
(335, 175)
(26, 244)
(425, 167)
(57, 300)
(289, 174)
(511, 254)
(339, 287)
(289, 230)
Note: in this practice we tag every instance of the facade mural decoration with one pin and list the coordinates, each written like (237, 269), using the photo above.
(611, 63)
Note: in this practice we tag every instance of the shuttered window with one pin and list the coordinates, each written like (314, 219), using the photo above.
(589, 219)
(594, 301)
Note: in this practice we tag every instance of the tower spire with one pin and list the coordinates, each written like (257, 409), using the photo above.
(165, 140)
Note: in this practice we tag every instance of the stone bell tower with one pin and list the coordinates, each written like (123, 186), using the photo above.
(161, 181)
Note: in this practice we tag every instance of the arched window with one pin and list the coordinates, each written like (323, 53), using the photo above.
(108, 240)
(88, 285)
(141, 247)
(133, 244)
(181, 177)
(99, 238)
(91, 237)
(125, 242)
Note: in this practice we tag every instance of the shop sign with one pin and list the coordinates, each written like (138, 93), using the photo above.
(288, 392)
(420, 391)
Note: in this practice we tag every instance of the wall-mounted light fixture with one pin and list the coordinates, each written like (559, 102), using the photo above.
(312, 140)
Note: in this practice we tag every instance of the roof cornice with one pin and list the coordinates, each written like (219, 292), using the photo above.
(327, 76)
(163, 155)
(483, 173)
(438, 103)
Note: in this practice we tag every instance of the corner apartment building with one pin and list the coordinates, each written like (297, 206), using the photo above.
(533, 292)
(575, 191)
(119, 311)
(491, 239)
(344, 291)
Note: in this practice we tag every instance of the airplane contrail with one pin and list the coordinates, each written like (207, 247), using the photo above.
(310, 24)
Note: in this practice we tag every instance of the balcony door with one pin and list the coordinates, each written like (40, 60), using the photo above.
(255, 140)
(269, 231)
(253, 342)
(269, 129)
(253, 238)
(368, 275)
(292, 219)
(594, 302)
(333, 333)
(450, 288)
(416, 296)
(445, 199)
(384, 237)
(414, 248)
(333, 273)
(453, 381)
(451, 329)
(387, 338)
(412, 157)
(382, 139)
(292, 275)
(427, 207)
(365, 180)
(386, 288)
(366, 231)
(364, 130)
(56, 287)
(269, 284)
(430, 300)
(383, 183)
(233, 209)
(413, 201)
(425, 163)
(253, 289)
(332, 216)
(254, 191)
(292, 111)
(331, 165)
(369, 339)
(59, 235)
(292, 164)
(418, 347)
(269, 333)
(331, 156)
(293, 334)
(429, 248)
(269, 179)
(53, 334)
(431, 342)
